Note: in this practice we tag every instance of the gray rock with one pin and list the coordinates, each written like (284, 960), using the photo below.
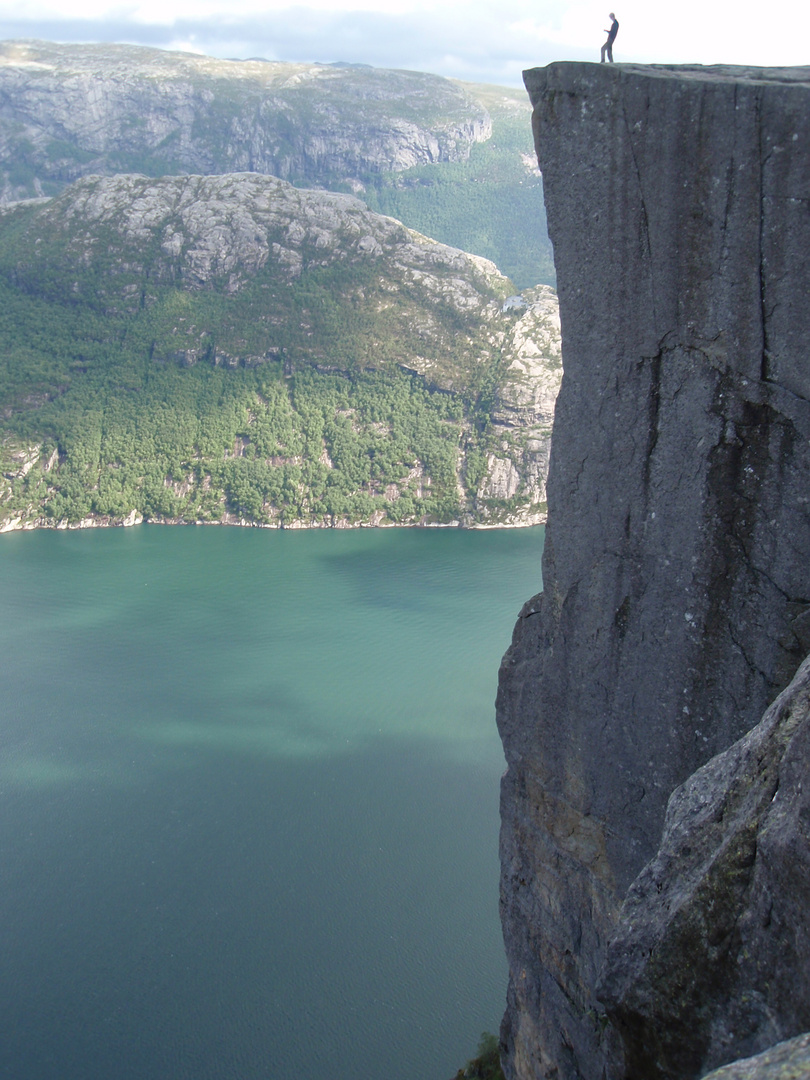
(200, 231)
(787, 1061)
(676, 570)
(711, 958)
(73, 110)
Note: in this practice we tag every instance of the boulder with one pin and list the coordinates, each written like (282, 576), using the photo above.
(711, 957)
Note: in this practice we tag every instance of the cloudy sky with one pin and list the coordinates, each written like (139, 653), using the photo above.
(478, 40)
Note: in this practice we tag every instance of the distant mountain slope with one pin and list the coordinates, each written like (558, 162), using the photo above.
(451, 159)
(233, 348)
(490, 203)
(72, 110)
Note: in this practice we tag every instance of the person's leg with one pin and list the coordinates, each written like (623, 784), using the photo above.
(610, 53)
(604, 48)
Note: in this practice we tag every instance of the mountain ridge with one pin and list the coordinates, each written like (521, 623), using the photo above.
(452, 159)
(82, 107)
(299, 300)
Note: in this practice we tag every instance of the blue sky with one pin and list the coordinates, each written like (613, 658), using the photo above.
(478, 40)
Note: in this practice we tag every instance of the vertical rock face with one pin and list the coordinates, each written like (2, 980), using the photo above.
(79, 110)
(676, 599)
(711, 957)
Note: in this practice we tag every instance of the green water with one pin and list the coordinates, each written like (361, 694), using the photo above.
(248, 783)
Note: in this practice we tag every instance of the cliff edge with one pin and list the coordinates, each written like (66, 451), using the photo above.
(676, 601)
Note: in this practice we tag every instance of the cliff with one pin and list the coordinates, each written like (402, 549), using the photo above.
(235, 349)
(72, 110)
(676, 574)
(711, 956)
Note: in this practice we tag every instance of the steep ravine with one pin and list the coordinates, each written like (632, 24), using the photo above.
(676, 599)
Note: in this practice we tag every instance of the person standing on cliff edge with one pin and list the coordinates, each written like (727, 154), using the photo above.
(611, 37)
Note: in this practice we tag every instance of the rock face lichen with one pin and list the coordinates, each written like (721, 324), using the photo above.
(676, 571)
(786, 1061)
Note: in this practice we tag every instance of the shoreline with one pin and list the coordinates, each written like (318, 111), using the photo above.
(15, 525)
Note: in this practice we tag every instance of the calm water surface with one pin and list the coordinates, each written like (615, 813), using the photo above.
(248, 801)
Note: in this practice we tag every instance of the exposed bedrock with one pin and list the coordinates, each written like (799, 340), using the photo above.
(786, 1061)
(70, 110)
(676, 601)
(711, 957)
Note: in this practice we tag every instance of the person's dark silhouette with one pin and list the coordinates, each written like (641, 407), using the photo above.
(611, 37)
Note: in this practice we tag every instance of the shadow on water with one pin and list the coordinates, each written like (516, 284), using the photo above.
(249, 801)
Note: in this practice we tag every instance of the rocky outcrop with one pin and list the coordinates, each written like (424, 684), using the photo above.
(73, 110)
(787, 1061)
(204, 232)
(676, 575)
(525, 401)
(711, 958)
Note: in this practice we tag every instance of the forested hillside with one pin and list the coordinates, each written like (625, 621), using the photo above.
(491, 203)
(235, 349)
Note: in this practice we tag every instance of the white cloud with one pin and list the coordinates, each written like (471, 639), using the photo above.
(472, 39)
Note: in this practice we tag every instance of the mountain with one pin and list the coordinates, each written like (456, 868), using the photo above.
(233, 348)
(654, 705)
(453, 160)
(71, 110)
